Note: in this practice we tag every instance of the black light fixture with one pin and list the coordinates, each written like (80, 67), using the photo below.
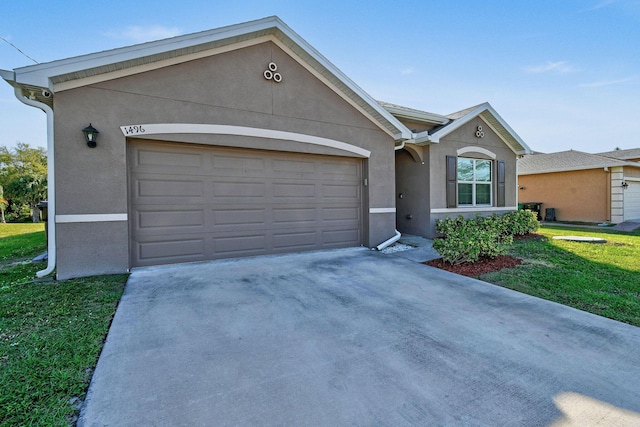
(624, 185)
(91, 135)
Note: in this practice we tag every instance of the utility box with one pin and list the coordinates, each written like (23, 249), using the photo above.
(534, 207)
(550, 214)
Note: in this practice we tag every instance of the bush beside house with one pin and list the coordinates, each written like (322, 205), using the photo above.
(466, 240)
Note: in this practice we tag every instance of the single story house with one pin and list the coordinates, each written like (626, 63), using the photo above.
(243, 141)
(631, 155)
(581, 186)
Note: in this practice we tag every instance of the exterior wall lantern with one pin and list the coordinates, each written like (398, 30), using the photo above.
(624, 185)
(91, 135)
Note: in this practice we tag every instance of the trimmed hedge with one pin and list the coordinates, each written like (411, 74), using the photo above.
(466, 240)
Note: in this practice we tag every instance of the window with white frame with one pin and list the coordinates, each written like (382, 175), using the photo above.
(474, 182)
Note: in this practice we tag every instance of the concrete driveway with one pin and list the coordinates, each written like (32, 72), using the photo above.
(354, 337)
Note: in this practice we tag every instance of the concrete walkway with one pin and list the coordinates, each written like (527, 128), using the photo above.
(354, 337)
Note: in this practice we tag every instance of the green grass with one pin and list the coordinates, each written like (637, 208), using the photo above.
(21, 241)
(599, 278)
(51, 333)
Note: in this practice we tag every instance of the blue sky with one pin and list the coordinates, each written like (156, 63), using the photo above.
(565, 74)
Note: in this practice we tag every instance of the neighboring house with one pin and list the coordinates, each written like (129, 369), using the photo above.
(631, 155)
(581, 186)
(243, 141)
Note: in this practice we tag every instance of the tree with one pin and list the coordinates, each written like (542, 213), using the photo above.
(23, 175)
(3, 205)
(28, 190)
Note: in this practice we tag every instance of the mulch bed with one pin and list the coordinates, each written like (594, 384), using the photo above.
(483, 265)
(475, 269)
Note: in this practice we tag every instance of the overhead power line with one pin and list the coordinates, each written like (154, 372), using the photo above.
(18, 49)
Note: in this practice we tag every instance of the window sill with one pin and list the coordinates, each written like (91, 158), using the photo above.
(471, 209)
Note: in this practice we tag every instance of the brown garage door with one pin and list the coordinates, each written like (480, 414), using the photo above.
(195, 203)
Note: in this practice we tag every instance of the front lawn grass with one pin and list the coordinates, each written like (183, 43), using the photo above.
(603, 279)
(21, 241)
(51, 333)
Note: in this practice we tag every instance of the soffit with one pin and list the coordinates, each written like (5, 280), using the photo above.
(129, 60)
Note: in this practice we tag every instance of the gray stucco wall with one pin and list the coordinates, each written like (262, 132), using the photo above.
(412, 194)
(224, 89)
(448, 146)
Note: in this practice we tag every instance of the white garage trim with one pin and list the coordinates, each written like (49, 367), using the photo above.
(381, 210)
(65, 219)
(195, 128)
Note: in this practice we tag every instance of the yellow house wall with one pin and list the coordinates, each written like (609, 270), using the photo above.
(576, 195)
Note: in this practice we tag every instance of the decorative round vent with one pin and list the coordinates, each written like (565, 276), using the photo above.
(479, 132)
(271, 74)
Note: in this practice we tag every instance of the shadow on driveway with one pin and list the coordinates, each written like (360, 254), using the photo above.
(352, 337)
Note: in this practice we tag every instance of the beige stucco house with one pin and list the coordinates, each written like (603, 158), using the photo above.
(243, 141)
(585, 187)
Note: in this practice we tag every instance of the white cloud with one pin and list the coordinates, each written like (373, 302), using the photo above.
(559, 67)
(407, 71)
(602, 4)
(608, 82)
(139, 34)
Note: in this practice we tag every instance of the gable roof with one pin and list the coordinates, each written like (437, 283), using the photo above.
(415, 115)
(453, 121)
(100, 66)
(565, 161)
(632, 153)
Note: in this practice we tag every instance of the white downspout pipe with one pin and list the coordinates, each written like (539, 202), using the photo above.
(392, 240)
(51, 183)
(397, 236)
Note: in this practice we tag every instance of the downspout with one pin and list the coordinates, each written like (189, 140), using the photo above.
(397, 236)
(51, 183)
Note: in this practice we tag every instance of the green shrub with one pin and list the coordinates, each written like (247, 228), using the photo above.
(521, 222)
(466, 240)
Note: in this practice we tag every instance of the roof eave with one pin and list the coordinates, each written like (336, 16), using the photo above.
(46, 75)
(495, 121)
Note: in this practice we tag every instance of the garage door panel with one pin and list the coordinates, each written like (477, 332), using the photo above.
(339, 171)
(293, 191)
(239, 216)
(632, 201)
(340, 237)
(295, 170)
(223, 203)
(295, 215)
(237, 166)
(171, 249)
(169, 159)
(341, 214)
(170, 219)
(169, 188)
(288, 241)
(341, 191)
(247, 245)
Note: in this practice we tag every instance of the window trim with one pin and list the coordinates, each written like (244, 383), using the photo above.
(474, 184)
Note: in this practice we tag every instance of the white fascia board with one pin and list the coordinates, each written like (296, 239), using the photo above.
(436, 136)
(422, 116)
(39, 74)
(460, 122)
(403, 132)
(423, 138)
(514, 135)
(8, 76)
